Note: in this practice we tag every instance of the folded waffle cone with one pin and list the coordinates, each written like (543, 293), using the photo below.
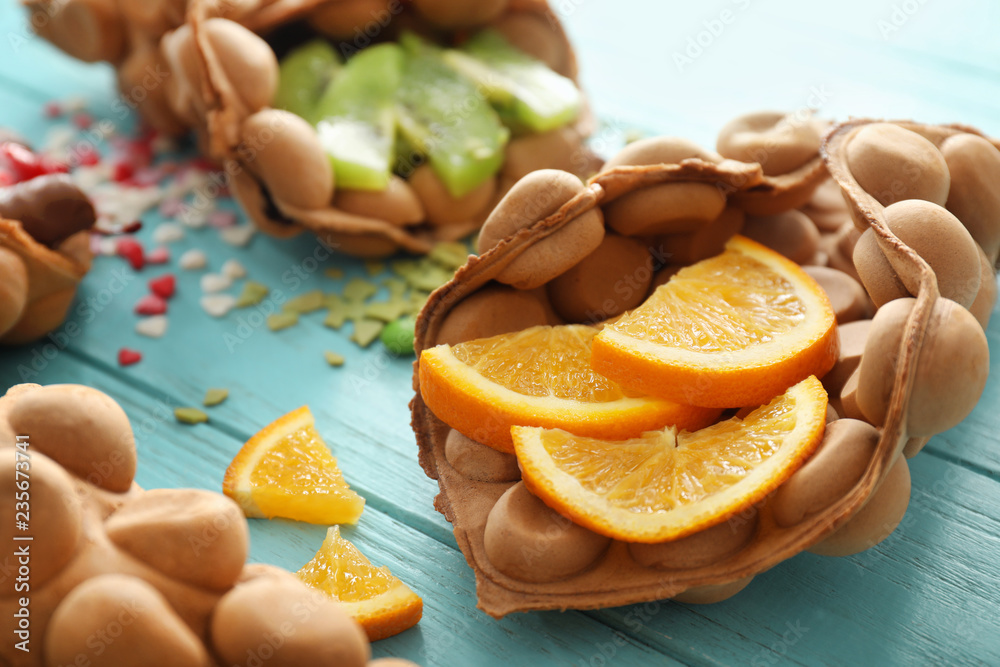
(216, 73)
(40, 282)
(892, 388)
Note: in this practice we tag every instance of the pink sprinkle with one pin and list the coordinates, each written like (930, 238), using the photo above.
(146, 176)
(127, 357)
(131, 250)
(220, 219)
(87, 155)
(151, 304)
(83, 120)
(164, 287)
(95, 244)
(171, 207)
(53, 110)
(158, 255)
(6, 179)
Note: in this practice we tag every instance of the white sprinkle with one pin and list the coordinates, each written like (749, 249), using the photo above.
(88, 178)
(233, 269)
(193, 260)
(108, 246)
(58, 141)
(217, 305)
(168, 232)
(213, 282)
(237, 235)
(154, 326)
(120, 205)
(193, 217)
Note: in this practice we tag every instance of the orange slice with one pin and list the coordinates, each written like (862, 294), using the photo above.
(286, 470)
(730, 331)
(380, 602)
(538, 377)
(664, 485)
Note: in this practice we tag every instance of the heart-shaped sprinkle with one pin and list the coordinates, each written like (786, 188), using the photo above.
(150, 305)
(153, 327)
(158, 255)
(164, 287)
(127, 357)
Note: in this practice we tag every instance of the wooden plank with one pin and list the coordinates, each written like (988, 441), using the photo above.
(173, 455)
(776, 56)
(927, 595)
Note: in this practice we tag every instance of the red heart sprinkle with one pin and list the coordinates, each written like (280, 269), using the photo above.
(158, 256)
(150, 305)
(127, 357)
(131, 250)
(164, 286)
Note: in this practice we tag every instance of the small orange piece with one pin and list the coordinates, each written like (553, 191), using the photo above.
(733, 330)
(539, 377)
(380, 602)
(665, 485)
(286, 470)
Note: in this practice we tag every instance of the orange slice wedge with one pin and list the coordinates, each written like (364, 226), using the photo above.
(664, 485)
(286, 470)
(380, 602)
(730, 331)
(538, 377)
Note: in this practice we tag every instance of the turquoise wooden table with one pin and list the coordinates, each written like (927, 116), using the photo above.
(929, 594)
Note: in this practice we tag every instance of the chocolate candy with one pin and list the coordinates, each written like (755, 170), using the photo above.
(51, 208)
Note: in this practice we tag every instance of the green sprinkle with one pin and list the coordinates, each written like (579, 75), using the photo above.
(366, 331)
(333, 273)
(333, 358)
(332, 300)
(280, 321)
(305, 303)
(396, 287)
(398, 335)
(386, 311)
(215, 396)
(430, 277)
(340, 311)
(450, 255)
(359, 289)
(405, 267)
(416, 301)
(374, 268)
(252, 294)
(335, 318)
(190, 416)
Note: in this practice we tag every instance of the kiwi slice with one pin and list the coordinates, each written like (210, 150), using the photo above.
(303, 75)
(444, 116)
(528, 95)
(356, 118)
